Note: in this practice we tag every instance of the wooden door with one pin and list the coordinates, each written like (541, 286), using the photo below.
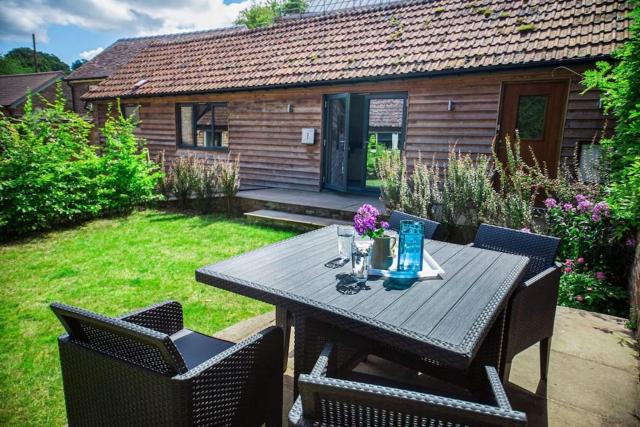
(536, 110)
(336, 141)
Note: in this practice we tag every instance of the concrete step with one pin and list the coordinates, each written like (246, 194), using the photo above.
(291, 220)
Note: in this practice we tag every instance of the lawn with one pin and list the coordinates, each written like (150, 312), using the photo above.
(111, 266)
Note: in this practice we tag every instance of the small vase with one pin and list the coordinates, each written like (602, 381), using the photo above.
(382, 252)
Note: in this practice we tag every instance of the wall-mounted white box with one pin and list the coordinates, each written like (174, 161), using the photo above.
(308, 135)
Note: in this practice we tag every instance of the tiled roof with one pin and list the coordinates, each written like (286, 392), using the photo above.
(396, 40)
(13, 87)
(122, 51)
(386, 113)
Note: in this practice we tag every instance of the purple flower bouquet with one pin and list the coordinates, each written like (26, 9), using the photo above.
(367, 222)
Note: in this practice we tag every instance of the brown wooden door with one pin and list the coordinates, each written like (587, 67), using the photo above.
(536, 110)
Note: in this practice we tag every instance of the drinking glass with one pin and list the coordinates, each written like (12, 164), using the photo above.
(346, 235)
(360, 259)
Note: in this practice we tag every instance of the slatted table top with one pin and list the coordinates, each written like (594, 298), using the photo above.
(449, 316)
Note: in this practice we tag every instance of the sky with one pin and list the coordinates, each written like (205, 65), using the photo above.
(73, 29)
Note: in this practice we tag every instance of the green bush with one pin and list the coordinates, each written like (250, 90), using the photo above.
(50, 174)
(591, 291)
(620, 93)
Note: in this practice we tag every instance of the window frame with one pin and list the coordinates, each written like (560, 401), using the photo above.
(136, 110)
(194, 125)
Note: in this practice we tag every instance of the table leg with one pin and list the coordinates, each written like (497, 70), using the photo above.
(283, 320)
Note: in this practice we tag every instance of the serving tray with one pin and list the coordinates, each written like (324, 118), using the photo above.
(430, 270)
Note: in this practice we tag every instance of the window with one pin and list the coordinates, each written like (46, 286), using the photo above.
(203, 126)
(531, 112)
(132, 111)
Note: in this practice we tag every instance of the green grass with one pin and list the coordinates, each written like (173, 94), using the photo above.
(110, 266)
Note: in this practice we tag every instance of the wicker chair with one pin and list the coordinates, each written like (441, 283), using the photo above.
(532, 309)
(146, 369)
(430, 227)
(327, 400)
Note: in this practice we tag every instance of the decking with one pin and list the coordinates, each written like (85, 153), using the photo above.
(593, 377)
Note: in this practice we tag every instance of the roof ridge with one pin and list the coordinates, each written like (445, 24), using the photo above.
(186, 33)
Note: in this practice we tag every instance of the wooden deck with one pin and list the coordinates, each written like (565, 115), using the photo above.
(593, 377)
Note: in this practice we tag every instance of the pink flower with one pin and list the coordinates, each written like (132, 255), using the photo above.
(525, 230)
(630, 242)
(584, 205)
(580, 260)
(579, 298)
(589, 289)
(569, 262)
(567, 269)
(384, 224)
(580, 198)
(567, 207)
(551, 203)
(601, 208)
(600, 275)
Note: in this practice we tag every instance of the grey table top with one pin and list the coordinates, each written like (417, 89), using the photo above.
(450, 315)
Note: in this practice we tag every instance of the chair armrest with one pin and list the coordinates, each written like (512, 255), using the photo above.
(532, 311)
(497, 392)
(165, 317)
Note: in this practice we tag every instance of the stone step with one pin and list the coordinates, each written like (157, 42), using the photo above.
(291, 220)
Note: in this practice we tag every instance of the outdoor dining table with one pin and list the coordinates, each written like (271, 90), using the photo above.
(444, 320)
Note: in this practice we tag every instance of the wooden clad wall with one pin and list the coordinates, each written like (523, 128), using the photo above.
(265, 126)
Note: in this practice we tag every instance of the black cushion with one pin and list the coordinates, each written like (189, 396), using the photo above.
(196, 348)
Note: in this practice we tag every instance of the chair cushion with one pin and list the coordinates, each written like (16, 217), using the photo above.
(196, 348)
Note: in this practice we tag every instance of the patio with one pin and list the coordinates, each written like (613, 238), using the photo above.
(593, 377)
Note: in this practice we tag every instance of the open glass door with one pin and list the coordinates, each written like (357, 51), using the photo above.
(385, 118)
(336, 141)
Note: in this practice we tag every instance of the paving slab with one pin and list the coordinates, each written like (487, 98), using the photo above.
(593, 373)
(287, 219)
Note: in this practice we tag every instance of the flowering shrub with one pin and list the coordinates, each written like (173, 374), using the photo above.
(367, 222)
(580, 288)
(586, 230)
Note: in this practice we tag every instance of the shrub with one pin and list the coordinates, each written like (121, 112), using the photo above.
(129, 177)
(184, 181)
(591, 291)
(468, 197)
(229, 179)
(165, 183)
(391, 169)
(50, 174)
(207, 183)
(421, 195)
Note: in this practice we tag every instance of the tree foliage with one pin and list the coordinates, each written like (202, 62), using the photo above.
(20, 60)
(265, 13)
(620, 92)
(77, 64)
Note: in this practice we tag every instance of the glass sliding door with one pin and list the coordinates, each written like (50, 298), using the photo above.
(336, 141)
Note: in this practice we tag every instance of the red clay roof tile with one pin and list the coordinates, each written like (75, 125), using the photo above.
(393, 40)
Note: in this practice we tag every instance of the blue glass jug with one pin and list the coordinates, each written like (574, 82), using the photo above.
(411, 246)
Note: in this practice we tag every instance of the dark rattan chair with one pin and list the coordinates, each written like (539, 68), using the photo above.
(328, 400)
(146, 369)
(430, 227)
(532, 309)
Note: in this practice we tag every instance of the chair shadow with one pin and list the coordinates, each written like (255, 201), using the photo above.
(533, 404)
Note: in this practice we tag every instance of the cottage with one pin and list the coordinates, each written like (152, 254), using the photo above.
(14, 88)
(308, 103)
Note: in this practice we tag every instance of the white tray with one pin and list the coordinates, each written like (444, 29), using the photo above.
(430, 270)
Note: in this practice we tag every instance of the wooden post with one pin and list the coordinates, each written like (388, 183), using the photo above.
(35, 56)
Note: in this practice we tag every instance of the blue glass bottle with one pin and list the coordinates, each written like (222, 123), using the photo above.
(411, 247)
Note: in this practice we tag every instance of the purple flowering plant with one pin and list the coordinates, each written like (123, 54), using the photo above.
(367, 222)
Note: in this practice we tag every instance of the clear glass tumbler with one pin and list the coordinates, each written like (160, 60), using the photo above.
(346, 234)
(360, 259)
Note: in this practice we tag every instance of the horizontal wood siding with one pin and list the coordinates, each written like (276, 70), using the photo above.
(265, 126)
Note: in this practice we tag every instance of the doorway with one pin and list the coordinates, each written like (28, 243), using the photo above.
(359, 128)
(536, 110)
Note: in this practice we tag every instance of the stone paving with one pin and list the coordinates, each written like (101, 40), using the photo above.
(593, 376)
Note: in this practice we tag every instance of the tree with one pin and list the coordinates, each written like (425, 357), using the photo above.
(77, 64)
(263, 14)
(20, 60)
(619, 84)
